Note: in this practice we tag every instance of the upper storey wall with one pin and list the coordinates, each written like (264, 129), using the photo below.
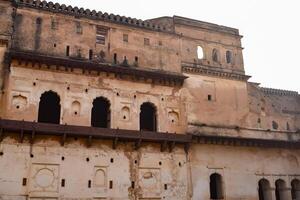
(273, 109)
(6, 12)
(52, 33)
(220, 46)
(164, 43)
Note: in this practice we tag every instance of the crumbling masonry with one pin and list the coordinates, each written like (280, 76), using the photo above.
(101, 106)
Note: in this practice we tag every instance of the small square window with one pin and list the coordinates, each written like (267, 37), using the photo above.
(209, 97)
(125, 37)
(146, 41)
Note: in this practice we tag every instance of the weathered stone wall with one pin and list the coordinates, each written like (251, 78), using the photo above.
(26, 85)
(113, 174)
(215, 100)
(241, 169)
(166, 50)
(273, 109)
(146, 173)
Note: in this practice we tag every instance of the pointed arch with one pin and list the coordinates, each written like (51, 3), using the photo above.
(215, 55)
(264, 189)
(148, 117)
(280, 189)
(295, 185)
(216, 186)
(49, 108)
(100, 113)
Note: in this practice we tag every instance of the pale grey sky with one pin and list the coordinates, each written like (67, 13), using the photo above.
(271, 30)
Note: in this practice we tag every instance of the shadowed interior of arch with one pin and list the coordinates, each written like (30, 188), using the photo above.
(49, 108)
(216, 188)
(100, 113)
(148, 117)
(280, 190)
(264, 190)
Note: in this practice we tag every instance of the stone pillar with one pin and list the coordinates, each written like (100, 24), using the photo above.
(272, 194)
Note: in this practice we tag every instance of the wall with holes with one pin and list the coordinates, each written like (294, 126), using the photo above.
(46, 170)
(273, 109)
(53, 34)
(77, 91)
(241, 169)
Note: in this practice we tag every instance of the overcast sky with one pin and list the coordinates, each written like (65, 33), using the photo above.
(271, 30)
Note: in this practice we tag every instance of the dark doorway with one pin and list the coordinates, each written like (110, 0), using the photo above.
(148, 117)
(101, 113)
(49, 108)
(216, 188)
(280, 190)
(264, 190)
(295, 189)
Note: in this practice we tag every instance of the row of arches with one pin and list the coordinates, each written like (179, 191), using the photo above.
(215, 55)
(265, 191)
(50, 108)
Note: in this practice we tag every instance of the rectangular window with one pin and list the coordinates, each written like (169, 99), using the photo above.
(63, 182)
(146, 41)
(125, 37)
(101, 33)
(91, 54)
(67, 50)
(78, 28)
(54, 24)
(24, 182)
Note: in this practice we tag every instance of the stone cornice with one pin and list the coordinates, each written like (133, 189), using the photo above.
(214, 72)
(90, 14)
(272, 91)
(159, 77)
(138, 137)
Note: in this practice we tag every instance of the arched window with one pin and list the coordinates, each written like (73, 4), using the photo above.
(49, 108)
(215, 55)
(280, 191)
(216, 186)
(148, 117)
(264, 190)
(101, 113)
(200, 53)
(295, 189)
(228, 57)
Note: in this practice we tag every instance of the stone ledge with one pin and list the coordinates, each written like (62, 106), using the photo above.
(272, 91)
(248, 142)
(214, 72)
(167, 140)
(157, 76)
(90, 133)
(91, 14)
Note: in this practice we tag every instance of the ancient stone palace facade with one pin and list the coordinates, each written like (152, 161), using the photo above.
(97, 106)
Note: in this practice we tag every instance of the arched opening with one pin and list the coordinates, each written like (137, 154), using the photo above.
(101, 113)
(295, 189)
(200, 53)
(215, 55)
(148, 117)
(228, 57)
(216, 187)
(280, 191)
(264, 191)
(49, 108)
